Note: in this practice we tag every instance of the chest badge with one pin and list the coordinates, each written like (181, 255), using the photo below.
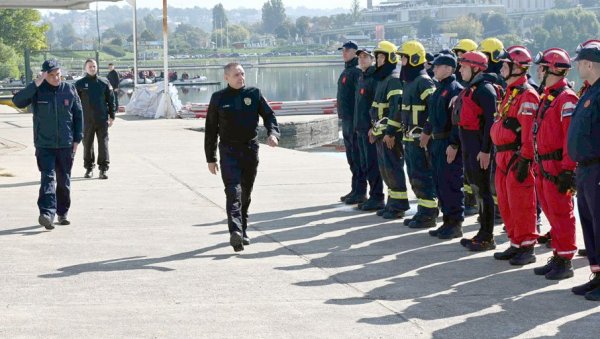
(344, 80)
(247, 101)
(587, 103)
(86, 85)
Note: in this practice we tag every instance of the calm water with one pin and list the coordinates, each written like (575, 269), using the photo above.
(276, 83)
(283, 83)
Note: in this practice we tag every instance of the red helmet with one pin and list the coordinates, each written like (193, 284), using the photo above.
(554, 58)
(518, 55)
(474, 59)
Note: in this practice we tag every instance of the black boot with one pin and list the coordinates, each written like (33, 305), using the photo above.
(88, 173)
(593, 295)
(466, 241)
(435, 232)
(343, 197)
(508, 254)
(477, 245)
(407, 221)
(371, 205)
(582, 252)
(542, 239)
(236, 241)
(454, 230)
(355, 199)
(562, 269)
(546, 268)
(393, 215)
(524, 256)
(594, 283)
(423, 222)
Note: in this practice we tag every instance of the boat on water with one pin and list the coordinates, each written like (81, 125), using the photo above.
(128, 82)
(191, 81)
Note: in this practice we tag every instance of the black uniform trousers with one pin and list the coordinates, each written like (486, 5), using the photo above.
(99, 130)
(588, 204)
(359, 181)
(239, 163)
(480, 180)
(55, 180)
(448, 180)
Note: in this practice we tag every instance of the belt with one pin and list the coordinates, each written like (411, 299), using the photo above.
(441, 135)
(554, 155)
(239, 143)
(410, 137)
(589, 162)
(552, 178)
(507, 147)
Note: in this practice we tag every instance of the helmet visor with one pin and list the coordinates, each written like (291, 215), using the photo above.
(539, 58)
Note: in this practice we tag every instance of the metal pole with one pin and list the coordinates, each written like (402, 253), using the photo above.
(166, 95)
(28, 75)
(135, 71)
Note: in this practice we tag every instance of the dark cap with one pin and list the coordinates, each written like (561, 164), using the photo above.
(429, 57)
(445, 59)
(364, 50)
(590, 53)
(50, 65)
(349, 44)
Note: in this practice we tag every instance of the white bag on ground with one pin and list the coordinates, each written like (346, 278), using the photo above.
(147, 101)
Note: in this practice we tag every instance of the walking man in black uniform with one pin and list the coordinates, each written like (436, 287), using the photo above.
(232, 118)
(97, 99)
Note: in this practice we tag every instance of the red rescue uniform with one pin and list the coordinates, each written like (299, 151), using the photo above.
(511, 133)
(550, 135)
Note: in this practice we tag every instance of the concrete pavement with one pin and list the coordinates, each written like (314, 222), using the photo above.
(147, 255)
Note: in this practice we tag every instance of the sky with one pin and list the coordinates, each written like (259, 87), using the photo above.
(231, 4)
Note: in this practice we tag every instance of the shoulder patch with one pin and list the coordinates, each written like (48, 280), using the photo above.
(528, 108)
(567, 109)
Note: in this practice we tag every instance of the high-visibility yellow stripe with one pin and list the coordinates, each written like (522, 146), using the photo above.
(397, 194)
(495, 199)
(415, 111)
(468, 189)
(394, 123)
(405, 138)
(428, 203)
(379, 129)
(380, 108)
(394, 92)
(426, 93)
(405, 107)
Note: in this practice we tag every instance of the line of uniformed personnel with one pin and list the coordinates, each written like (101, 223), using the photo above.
(480, 136)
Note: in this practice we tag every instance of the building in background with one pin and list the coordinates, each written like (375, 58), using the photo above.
(527, 5)
(414, 10)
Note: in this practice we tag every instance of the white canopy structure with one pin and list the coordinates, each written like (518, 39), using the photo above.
(50, 4)
(85, 4)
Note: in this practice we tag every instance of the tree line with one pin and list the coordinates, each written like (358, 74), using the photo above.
(563, 26)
